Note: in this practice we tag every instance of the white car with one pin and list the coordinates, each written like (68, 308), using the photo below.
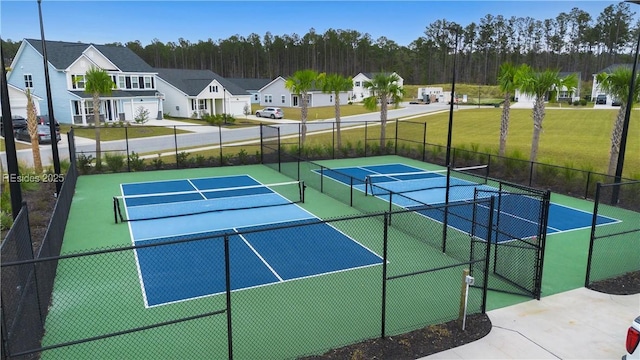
(633, 338)
(270, 112)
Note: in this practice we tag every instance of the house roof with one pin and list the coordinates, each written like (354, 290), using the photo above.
(370, 75)
(62, 54)
(250, 84)
(192, 82)
(609, 69)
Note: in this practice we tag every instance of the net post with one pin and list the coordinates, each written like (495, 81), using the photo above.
(366, 185)
(303, 188)
(115, 209)
(351, 191)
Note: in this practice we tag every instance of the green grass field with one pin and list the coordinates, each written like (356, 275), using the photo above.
(575, 138)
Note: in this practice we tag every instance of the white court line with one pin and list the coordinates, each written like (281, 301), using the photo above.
(258, 255)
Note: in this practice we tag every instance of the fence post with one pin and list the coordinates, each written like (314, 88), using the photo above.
(220, 144)
(586, 188)
(365, 137)
(395, 150)
(126, 141)
(594, 221)
(261, 145)
(424, 143)
(384, 274)
(487, 262)
(531, 172)
(333, 140)
(175, 141)
(227, 273)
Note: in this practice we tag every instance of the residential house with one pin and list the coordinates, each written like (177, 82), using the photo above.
(194, 93)
(252, 86)
(276, 94)
(18, 101)
(134, 80)
(562, 94)
(359, 92)
(595, 89)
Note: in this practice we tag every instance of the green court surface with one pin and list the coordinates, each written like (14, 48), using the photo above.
(101, 294)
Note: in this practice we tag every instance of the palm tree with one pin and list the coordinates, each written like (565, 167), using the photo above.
(335, 84)
(300, 83)
(507, 84)
(617, 85)
(32, 127)
(97, 82)
(384, 88)
(538, 84)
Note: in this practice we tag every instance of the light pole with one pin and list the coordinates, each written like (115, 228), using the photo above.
(52, 119)
(625, 125)
(448, 154)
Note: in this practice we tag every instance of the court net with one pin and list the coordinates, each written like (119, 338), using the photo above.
(399, 183)
(185, 203)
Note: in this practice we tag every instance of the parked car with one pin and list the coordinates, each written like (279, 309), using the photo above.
(44, 134)
(271, 112)
(18, 122)
(44, 120)
(633, 338)
(616, 102)
(601, 99)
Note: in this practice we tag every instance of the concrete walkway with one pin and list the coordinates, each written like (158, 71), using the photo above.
(577, 324)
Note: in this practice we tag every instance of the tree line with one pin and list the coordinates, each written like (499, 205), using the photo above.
(575, 41)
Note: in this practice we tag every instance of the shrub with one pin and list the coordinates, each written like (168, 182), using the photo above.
(142, 115)
(135, 163)
(243, 156)
(157, 162)
(200, 160)
(115, 162)
(182, 158)
(84, 162)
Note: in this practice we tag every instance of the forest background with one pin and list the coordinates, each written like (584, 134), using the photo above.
(571, 42)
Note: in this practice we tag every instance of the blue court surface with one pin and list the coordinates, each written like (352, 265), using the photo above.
(412, 188)
(193, 269)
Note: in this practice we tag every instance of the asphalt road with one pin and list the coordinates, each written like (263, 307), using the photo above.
(203, 136)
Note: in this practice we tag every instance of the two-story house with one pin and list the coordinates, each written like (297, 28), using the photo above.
(360, 92)
(193, 93)
(134, 80)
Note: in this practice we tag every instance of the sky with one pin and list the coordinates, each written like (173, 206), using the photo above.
(101, 22)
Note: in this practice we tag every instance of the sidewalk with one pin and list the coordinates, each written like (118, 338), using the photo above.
(577, 324)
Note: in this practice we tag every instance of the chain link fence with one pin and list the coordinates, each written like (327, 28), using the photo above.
(614, 248)
(97, 307)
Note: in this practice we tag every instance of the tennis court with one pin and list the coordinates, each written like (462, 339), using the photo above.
(239, 206)
(412, 188)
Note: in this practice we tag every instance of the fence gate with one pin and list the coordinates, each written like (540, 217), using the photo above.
(518, 239)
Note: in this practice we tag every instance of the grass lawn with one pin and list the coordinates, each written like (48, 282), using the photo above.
(19, 145)
(576, 138)
(118, 133)
(319, 113)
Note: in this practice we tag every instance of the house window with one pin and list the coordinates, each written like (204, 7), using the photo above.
(202, 104)
(114, 80)
(213, 88)
(148, 82)
(77, 81)
(193, 104)
(282, 98)
(88, 107)
(255, 97)
(357, 84)
(268, 98)
(28, 81)
(134, 82)
(330, 98)
(121, 82)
